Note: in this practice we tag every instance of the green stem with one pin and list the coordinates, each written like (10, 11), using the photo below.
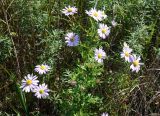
(22, 99)
(96, 2)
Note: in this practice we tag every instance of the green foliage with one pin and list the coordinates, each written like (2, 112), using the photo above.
(5, 48)
(52, 44)
(80, 81)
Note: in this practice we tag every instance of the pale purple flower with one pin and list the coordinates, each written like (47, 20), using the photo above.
(69, 10)
(126, 52)
(103, 31)
(72, 39)
(97, 15)
(104, 114)
(135, 66)
(41, 91)
(42, 69)
(29, 83)
(100, 55)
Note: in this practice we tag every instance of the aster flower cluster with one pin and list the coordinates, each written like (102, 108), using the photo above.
(30, 82)
(72, 39)
(99, 15)
(132, 58)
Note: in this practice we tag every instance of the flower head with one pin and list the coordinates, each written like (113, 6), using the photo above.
(69, 10)
(103, 31)
(41, 91)
(97, 15)
(100, 55)
(72, 39)
(29, 83)
(42, 69)
(126, 52)
(104, 114)
(135, 66)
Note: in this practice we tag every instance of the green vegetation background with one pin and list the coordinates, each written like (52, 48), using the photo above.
(32, 32)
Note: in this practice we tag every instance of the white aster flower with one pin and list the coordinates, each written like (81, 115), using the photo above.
(103, 31)
(126, 52)
(29, 83)
(100, 55)
(41, 91)
(42, 69)
(97, 15)
(69, 10)
(104, 114)
(135, 63)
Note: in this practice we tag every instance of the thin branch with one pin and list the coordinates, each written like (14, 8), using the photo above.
(14, 47)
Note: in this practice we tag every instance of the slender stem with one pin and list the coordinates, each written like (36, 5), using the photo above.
(96, 1)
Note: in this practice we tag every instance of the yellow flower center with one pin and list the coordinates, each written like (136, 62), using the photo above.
(95, 14)
(72, 39)
(99, 56)
(136, 63)
(127, 54)
(42, 67)
(28, 82)
(69, 9)
(104, 30)
(41, 91)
